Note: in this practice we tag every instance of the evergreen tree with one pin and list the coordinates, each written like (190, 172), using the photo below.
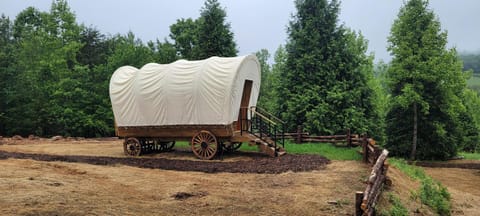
(214, 35)
(207, 36)
(185, 35)
(426, 83)
(7, 71)
(265, 87)
(325, 82)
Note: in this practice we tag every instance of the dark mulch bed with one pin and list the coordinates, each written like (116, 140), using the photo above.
(258, 163)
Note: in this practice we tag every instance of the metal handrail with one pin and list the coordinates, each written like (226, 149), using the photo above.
(264, 125)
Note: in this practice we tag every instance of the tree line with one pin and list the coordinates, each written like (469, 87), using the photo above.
(55, 74)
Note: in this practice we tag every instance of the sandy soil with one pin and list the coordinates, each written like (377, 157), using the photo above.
(31, 187)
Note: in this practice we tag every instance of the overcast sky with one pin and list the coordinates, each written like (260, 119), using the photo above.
(261, 24)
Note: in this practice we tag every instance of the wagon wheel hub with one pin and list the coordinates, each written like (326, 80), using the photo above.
(204, 145)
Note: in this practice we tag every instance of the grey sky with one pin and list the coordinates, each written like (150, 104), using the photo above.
(261, 24)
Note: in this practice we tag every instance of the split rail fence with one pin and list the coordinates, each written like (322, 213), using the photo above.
(374, 155)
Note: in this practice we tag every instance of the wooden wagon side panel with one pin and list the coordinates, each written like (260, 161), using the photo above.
(175, 132)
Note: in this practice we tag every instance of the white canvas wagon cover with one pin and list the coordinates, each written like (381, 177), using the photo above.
(204, 92)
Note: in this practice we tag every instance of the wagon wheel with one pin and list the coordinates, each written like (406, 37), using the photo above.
(204, 145)
(231, 147)
(132, 147)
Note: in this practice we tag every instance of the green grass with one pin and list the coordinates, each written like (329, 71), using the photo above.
(397, 208)
(431, 192)
(470, 156)
(413, 172)
(327, 150)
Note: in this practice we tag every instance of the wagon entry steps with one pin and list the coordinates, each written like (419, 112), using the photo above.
(264, 130)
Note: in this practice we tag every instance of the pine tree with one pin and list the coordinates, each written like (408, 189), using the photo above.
(325, 82)
(426, 84)
(214, 35)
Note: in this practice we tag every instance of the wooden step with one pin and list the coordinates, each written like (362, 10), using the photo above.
(267, 149)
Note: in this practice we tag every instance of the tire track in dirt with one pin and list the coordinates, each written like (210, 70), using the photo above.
(258, 164)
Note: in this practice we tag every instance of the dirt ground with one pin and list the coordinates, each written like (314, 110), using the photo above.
(36, 187)
(464, 187)
(462, 184)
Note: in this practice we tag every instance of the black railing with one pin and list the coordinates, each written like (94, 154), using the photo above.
(263, 125)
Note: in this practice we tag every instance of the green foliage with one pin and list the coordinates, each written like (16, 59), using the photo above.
(426, 82)
(474, 83)
(431, 192)
(471, 62)
(266, 87)
(207, 36)
(185, 35)
(55, 73)
(397, 208)
(214, 35)
(7, 71)
(413, 172)
(271, 99)
(324, 83)
(470, 156)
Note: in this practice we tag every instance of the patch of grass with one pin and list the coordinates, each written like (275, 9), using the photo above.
(413, 172)
(431, 192)
(435, 195)
(325, 149)
(470, 156)
(397, 208)
(182, 144)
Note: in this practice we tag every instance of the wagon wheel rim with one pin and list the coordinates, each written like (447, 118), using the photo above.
(132, 147)
(204, 145)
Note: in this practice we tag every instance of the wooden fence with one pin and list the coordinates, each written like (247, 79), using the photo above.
(348, 139)
(365, 201)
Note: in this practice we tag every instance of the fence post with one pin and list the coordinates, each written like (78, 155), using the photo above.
(365, 148)
(358, 203)
(349, 138)
(299, 134)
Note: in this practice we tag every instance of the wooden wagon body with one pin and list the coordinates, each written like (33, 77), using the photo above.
(210, 103)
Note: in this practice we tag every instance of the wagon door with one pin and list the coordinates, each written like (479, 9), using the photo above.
(243, 113)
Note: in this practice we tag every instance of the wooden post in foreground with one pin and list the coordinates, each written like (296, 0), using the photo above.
(299, 134)
(358, 203)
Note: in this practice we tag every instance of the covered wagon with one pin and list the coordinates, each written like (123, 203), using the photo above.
(211, 103)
